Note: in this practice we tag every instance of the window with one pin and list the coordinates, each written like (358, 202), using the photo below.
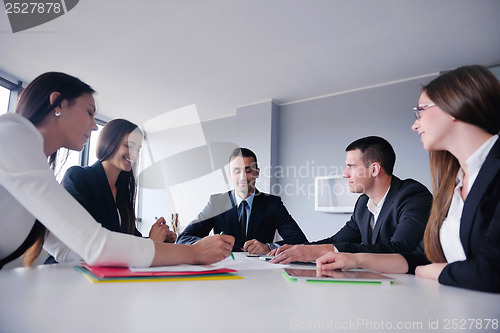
(4, 99)
(8, 92)
(68, 158)
(65, 159)
(92, 145)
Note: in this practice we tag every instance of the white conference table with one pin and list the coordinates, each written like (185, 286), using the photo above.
(58, 298)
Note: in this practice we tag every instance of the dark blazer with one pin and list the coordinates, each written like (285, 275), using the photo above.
(268, 214)
(479, 233)
(90, 187)
(400, 225)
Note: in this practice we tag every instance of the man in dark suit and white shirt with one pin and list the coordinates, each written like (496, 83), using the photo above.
(252, 217)
(389, 217)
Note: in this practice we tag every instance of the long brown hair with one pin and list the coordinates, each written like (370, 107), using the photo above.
(34, 104)
(470, 94)
(108, 142)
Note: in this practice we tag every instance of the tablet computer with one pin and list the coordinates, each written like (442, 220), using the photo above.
(356, 276)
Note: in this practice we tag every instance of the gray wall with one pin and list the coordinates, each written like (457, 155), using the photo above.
(297, 142)
(313, 136)
(257, 129)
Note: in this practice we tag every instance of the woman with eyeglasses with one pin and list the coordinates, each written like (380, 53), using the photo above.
(57, 110)
(107, 189)
(458, 121)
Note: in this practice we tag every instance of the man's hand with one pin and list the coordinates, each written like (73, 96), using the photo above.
(255, 247)
(280, 249)
(304, 253)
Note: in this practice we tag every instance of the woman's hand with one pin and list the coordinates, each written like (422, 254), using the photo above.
(431, 271)
(391, 263)
(160, 232)
(336, 260)
(212, 249)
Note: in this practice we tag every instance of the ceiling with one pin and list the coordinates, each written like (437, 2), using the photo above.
(145, 58)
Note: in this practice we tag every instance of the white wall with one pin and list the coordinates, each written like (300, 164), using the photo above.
(254, 126)
(189, 198)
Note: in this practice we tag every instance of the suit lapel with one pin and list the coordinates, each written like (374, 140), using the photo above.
(102, 185)
(486, 174)
(231, 219)
(389, 200)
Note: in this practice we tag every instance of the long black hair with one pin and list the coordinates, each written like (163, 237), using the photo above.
(108, 142)
(34, 104)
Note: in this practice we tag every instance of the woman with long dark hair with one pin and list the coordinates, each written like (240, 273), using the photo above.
(107, 189)
(458, 121)
(57, 110)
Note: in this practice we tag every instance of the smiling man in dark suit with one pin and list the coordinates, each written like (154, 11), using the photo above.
(252, 217)
(389, 217)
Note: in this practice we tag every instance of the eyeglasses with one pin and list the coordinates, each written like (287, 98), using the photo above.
(419, 109)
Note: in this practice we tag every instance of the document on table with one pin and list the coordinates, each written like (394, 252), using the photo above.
(178, 268)
(240, 263)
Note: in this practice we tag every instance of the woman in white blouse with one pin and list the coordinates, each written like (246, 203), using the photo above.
(458, 121)
(57, 110)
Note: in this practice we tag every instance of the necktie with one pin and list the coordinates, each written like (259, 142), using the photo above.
(370, 229)
(243, 220)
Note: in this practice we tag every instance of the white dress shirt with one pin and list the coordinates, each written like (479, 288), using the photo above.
(449, 234)
(375, 209)
(29, 191)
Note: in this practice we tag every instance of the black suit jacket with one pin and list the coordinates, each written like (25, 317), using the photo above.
(268, 214)
(90, 187)
(400, 225)
(479, 233)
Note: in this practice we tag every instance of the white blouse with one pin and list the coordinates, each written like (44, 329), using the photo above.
(449, 234)
(29, 191)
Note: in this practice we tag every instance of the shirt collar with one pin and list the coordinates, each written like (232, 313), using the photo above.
(476, 160)
(374, 208)
(249, 200)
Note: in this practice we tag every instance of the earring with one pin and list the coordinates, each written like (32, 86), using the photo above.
(58, 113)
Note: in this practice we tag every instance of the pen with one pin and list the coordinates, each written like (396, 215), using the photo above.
(232, 256)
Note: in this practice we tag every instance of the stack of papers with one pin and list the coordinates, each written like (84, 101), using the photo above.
(167, 273)
(241, 262)
(222, 270)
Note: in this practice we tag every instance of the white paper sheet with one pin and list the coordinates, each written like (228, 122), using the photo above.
(241, 262)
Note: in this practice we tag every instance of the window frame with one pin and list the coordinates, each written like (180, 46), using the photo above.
(15, 90)
(84, 154)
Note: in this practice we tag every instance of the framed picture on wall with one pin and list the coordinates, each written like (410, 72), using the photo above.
(332, 195)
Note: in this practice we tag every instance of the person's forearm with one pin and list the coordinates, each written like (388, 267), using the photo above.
(58, 249)
(172, 254)
(206, 251)
(383, 263)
